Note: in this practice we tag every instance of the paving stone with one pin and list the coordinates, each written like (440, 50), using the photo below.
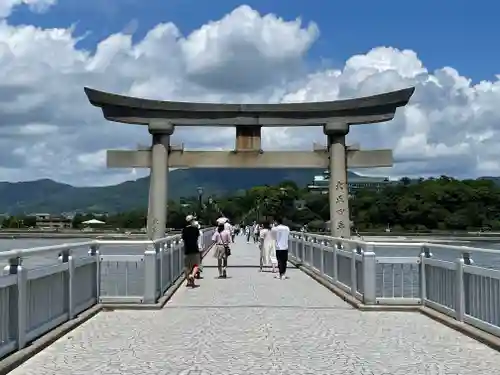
(252, 323)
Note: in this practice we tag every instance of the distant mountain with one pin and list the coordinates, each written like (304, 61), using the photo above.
(47, 196)
(496, 180)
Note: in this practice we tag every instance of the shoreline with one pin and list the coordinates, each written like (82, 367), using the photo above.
(51, 236)
(435, 239)
(383, 237)
(74, 235)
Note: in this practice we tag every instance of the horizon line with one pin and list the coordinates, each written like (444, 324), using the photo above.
(391, 178)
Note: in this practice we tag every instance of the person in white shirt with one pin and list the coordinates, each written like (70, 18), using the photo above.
(267, 248)
(230, 229)
(256, 231)
(281, 233)
(248, 232)
(233, 233)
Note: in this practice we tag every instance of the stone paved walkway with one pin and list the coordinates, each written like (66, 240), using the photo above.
(252, 323)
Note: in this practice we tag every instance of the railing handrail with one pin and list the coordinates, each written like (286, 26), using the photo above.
(434, 245)
(41, 250)
(14, 253)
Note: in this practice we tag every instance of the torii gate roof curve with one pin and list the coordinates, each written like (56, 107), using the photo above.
(364, 110)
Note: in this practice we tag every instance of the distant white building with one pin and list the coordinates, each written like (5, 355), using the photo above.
(48, 221)
(321, 182)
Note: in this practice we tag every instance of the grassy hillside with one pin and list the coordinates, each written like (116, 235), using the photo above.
(53, 197)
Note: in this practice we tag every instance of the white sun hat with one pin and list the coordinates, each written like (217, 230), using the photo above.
(222, 220)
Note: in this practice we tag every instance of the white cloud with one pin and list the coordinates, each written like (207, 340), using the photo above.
(267, 48)
(49, 130)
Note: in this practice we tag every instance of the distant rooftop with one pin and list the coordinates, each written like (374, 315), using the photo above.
(323, 178)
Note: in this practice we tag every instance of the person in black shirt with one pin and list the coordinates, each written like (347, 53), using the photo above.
(192, 256)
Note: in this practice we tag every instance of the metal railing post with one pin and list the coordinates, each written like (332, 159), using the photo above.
(66, 257)
(461, 285)
(171, 260)
(336, 245)
(150, 274)
(354, 281)
(312, 242)
(300, 254)
(178, 247)
(295, 242)
(369, 275)
(18, 305)
(94, 252)
(161, 252)
(459, 289)
(322, 247)
(424, 254)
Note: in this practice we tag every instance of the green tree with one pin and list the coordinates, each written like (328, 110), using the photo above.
(441, 203)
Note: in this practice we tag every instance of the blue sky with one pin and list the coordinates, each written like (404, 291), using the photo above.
(457, 33)
(447, 49)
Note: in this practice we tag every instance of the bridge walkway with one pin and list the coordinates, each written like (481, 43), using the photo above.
(252, 323)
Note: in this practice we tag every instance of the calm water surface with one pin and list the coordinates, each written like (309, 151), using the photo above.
(52, 258)
(480, 259)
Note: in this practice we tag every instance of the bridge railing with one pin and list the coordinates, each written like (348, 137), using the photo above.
(454, 286)
(44, 287)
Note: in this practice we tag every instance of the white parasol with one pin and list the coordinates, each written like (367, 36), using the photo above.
(93, 221)
(222, 220)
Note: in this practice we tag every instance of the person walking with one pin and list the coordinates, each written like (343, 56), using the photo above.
(248, 232)
(192, 257)
(267, 248)
(200, 249)
(281, 233)
(229, 228)
(221, 239)
(233, 233)
(256, 231)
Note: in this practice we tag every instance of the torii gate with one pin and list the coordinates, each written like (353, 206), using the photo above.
(162, 117)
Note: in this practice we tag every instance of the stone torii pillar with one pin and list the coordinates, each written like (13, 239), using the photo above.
(160, 130)
(340, 223)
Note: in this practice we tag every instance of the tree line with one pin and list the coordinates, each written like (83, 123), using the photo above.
(440, 203)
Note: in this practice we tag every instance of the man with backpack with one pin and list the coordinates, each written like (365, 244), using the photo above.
(192, 255)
